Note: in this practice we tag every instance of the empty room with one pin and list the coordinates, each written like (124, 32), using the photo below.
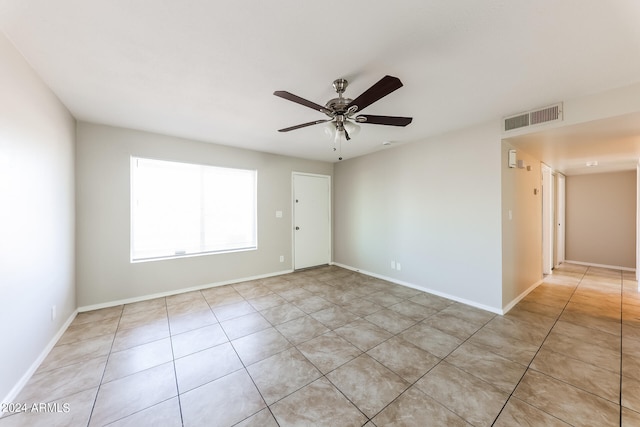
(319, 214)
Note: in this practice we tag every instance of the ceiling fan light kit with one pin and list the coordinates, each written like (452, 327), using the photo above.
(341, 111)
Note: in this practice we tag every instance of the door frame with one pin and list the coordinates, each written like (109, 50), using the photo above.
(293, 215)
(547, 219)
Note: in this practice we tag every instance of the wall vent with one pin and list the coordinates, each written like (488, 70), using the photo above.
(552, 113)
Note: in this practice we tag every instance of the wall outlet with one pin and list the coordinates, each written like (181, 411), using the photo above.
(398, 266)
(281, 258)
(393, 265)
(54, 313)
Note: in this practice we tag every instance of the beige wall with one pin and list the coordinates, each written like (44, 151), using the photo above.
(522, 232)
(601, 219)
(434, 207)
(36, 219)
(104, 272)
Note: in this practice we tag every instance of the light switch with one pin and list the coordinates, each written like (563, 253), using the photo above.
(278, 214)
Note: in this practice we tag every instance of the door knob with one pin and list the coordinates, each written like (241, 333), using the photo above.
(297, 228)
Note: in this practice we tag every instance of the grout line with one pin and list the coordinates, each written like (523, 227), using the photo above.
(538, 351)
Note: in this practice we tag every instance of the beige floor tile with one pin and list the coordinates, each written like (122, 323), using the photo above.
(362, 307)
(535, 319)
(260, 345)
(319, 404)
(432, 340)
(221, 295)
(191, 305)
(125, 396)
(244, 325)
(384, 298)
(583, 350)
(404, 358)
(593, 336)
(630, 393)
(77, 412)
(363, 334)
(165, 414)
(333, 317)
(452, 325)
(431, 301)
(197, 339)
(235, 392)
(282, 374)
(568, 403)
(143, 318)
(190, 321)
(80, 351)
(312, 303)
(82, 331)
(261, 419)
(302, 329)
(610, 326)
(517, 329)
(490, 367)
(534, 307)
(136, 359)
(231, 311)
(585, 376)
(510, 348)
(204, 366)
(266, 301)
(127, 338)
(293, 294)
(412, 310)
(58, 383)
(414, 408)
(329, 351)
(390, 320)
(630, 418)
(368, 384)
(252, 291)
(631, 365)
(469, 397)
(99, 315)
(150, 304)
(183, 297)
(518, 413)
(282, 313)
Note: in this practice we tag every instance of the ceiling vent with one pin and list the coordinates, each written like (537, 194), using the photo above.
(552, 113)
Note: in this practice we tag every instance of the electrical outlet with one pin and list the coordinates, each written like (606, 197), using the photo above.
(398, 266)
(281, 258)
(53, 313)
(393, 265)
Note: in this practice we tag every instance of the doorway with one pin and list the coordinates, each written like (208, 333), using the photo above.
(311, 220)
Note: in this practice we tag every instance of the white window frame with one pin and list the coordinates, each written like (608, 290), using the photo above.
(200, 239)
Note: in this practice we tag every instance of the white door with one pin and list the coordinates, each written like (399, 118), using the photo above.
(547, 220)
(560, 216)
(311, 220)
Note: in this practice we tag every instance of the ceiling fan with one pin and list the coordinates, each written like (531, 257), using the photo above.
(341, 111)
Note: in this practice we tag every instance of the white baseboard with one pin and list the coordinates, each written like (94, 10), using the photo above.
(177, 291)
(591, 264)
(13, 393)
(423, 289)
(517, 299)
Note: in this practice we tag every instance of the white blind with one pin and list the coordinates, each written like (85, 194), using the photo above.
(182, 209)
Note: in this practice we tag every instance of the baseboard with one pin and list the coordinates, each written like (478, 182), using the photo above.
(519, 298)
(178, 291)
(422, 288)
(591, 264)
(13, 393)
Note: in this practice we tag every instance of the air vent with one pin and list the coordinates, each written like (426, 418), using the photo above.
(530, 118)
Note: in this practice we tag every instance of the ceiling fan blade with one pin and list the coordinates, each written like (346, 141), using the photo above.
(303, 125)
(383, 120)
(298, 100)
(384, 87)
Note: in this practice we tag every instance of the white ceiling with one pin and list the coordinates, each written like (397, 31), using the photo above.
(207, 69)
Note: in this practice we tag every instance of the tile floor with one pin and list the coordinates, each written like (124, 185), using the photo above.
(331, 347)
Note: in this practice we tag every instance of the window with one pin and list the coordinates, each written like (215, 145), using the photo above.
(180, 209)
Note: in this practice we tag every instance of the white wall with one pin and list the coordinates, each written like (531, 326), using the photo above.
(36, 218)
(434, 207)
(104, 272)
(522, 231)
